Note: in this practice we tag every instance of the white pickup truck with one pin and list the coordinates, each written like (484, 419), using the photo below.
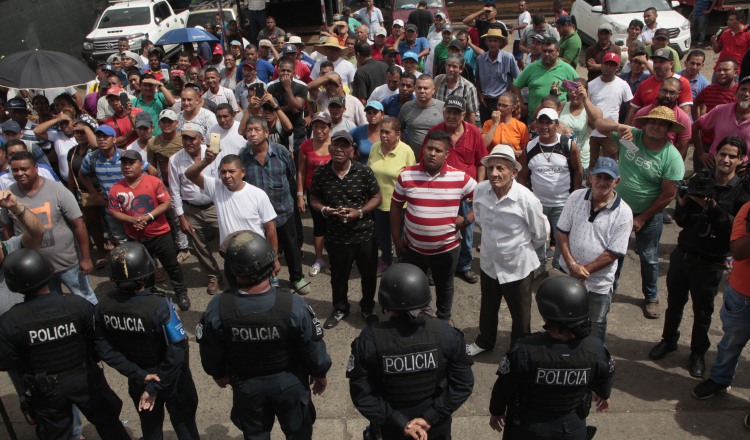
(136, 20)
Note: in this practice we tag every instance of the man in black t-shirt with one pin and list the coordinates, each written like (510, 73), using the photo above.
(422, 18)
(291, 95)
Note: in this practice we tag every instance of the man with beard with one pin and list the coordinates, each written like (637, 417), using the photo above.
(668, 93)
(649, 18)
(720, 92)
(648, 91)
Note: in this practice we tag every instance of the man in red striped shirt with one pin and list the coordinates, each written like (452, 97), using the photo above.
(721, 92)
(432, 191)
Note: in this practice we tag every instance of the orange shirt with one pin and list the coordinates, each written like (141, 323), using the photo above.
(740, 276)
(515, 133)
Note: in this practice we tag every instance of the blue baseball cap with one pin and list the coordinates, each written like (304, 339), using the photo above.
(11, 126)
(106, 129)
(606, 165)
(376, 105)
(410, 55)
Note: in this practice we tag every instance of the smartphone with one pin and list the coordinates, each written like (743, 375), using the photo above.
(214, 143)
(260, 89)
(570, 85)
(124, 100)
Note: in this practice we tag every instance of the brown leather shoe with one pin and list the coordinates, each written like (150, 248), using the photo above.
(651, 309)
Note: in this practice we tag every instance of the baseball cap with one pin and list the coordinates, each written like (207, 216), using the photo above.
(16, 104)
(192, 127)
(376, 105)
(502, 151)
(106, 129)
(11, 126)
(447, 28)
(265, 42)
(611, 57)
(236, 43)
(456, 102)
(218, 50)
(663, 53)
(132, 55)
(381, 32)
(290, 48)
(440, 14)
(250, 64)
(744, 79)
(661, 33)
(548, 112)
(606, 26)
(563, 20)
(538, 37)
(168, 113)
(343, 136)
(411, 27)
(322, 117)
(131, 155)
(143, 119)
(456, 44)
(409, 56)
(114, 91)
(337, 100)
(606, 165)
(398, 22)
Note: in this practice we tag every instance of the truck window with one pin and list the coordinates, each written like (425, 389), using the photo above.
(161, 11)
(114, 18)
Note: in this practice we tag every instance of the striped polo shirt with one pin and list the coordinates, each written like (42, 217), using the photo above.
(432, 204)
(107, 171)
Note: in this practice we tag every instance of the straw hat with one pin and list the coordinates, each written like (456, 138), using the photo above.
(497, 32)
(664, 114)
(330, 42)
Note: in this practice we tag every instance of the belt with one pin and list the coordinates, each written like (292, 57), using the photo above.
(697, 258)
(57, 377)
(206, 206)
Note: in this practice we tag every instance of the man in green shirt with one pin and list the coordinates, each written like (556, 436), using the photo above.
(541, 75)
(660, 40)
(441, 50)
(570, 42)
(650, 167)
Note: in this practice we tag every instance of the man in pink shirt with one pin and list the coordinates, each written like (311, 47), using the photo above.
(668, 93)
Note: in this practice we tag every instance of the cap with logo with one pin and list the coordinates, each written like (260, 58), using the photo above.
(606, 165)
(168, 113)
(143, 119)
(16, 104)
(663, 53)
(611, 57)
(290, 48)
(321, 117)
(114, 91)
(563, 20)
(455, 102)
(192, 127)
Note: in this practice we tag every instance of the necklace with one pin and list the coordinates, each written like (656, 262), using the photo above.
(546, 155)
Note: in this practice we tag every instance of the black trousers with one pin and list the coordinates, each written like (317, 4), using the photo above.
(287, 236)
(341, 258)
(91, 394)
(162, 247)
(443, 267)
(517, 296)
(568, 427)
(700, 280)
(181, 403)
(257, 401)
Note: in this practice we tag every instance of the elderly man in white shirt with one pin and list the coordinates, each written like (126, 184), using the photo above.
(194, 209)
(513, 225)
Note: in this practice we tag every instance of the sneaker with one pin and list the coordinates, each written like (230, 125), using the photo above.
(302, 287)
(666, 218)
(651, 309)
(382, 266)
(183, 255)
(473, 349)
(274, 281)
(708, 389)
(335, 318)
(213, 286)
(316, 268)
(370, 317)
(183, 302)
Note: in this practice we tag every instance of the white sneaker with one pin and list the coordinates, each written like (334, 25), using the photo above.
(473, 349)
(316, 268)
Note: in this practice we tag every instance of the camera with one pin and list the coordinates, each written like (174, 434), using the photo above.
(700, 184)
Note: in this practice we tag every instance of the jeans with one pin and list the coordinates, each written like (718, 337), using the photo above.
(553, 215)
(647, 246)
(517, 296)
(115, 228)
(257, 23)
(698, 25)
(383, 234)
(162, 248)
(698, 280)
(287, 235)
(599, 305)
(341, 258)
(735, 321)
(467, 239)
(76, 282)
(443, 267)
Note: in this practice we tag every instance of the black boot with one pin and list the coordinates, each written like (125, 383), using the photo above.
(183, 302)
(661, 349)
(697, 364)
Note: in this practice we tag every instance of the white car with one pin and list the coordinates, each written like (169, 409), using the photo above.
(588, 15)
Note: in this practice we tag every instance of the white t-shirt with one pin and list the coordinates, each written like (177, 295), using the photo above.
(204, 118)
(342, 66)
(245, 210)
(62, 145)
(609, 96)
(137, 148)
(523, 18)
(381, 92)
(231, 141)
(223, 96)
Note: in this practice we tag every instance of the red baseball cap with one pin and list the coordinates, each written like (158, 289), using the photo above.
(611, 57)
(115, 91)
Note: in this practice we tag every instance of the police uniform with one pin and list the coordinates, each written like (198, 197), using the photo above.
(268, 344)
(404, 369)
(544, 386)
(49, 338)
(139, 333)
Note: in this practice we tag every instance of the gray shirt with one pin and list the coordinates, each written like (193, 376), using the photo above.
(417, 121)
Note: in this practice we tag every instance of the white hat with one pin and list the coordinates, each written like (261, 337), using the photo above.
(381, 32)
(502, 151)
(398, 22)
(548, 112)
(191, 126)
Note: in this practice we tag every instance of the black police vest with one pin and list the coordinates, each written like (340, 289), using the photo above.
(558, 384)
(51, 344)
(257, 344)
(129, 328)
(412, 369)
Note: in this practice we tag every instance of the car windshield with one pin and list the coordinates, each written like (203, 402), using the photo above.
(636, 6)
(114, 18)
(412, 4)
(201, 18)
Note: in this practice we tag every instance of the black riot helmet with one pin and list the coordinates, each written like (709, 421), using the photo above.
(26, 270)
(249, 255)
(128, 263)
(563, 300)
(404, 287)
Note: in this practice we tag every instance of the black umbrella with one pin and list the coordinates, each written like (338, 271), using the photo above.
(42, 69)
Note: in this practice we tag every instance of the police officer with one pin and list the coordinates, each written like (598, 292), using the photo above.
(544, 384)
(409, 374)
(139, 334)
(265, 342)
(50, 339)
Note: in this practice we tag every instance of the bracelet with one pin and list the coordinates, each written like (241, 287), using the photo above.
(361, 213)
(277, 108)
(300, 194)
(323, 211)
(151, 215)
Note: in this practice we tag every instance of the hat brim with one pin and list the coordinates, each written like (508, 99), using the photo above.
(676, 126)
(494, 34)
(606, 171)
(516, 164)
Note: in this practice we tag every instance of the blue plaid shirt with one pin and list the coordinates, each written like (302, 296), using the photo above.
(276, 177)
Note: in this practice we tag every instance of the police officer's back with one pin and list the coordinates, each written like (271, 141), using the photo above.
(140, 335)
(49, 339)
(265, 342)
(545, 382)
(409, 374)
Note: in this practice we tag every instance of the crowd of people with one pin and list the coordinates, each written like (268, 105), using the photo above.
(399, 142)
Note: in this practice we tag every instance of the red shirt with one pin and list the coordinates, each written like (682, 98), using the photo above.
(135, 202)
(467, 153)
(648, 92)
(124, 126)
(301, 72)
(734, 45)
(312, 160)
(376, 54)
(714, 95)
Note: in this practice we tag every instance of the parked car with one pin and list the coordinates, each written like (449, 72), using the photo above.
(402, 8)
(588, 15)
(137, 20)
